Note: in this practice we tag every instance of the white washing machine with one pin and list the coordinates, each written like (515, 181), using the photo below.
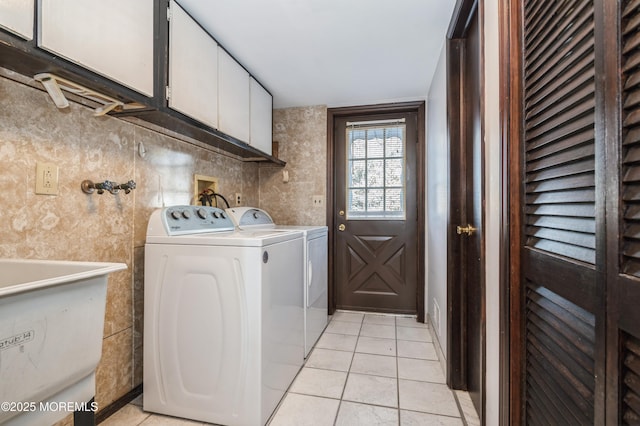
(222, 317)
(316, 297)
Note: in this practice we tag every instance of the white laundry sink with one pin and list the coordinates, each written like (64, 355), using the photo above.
(51, 325)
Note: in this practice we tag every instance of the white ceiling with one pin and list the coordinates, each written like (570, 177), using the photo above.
(331, 52)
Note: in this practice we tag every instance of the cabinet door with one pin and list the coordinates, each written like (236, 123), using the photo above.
(113, 38)
(17, 17)
(261, 117)
(233, 98)
(193, 68)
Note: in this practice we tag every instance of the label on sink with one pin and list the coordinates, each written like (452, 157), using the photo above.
(17, 339)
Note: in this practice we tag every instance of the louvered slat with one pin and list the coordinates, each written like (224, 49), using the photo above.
(559, 123)
(580, 73)
(630, 191)
(560, 359)
(563, 157)
(563, 210)
(630, 372)
(576, 181)
(561, 104)
(563, 38)
(630, 7)
(566, 131)
(632, 136)
(572, 169)
(554, 222)
(576, 111)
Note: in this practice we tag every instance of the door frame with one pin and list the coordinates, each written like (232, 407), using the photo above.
(332, 114)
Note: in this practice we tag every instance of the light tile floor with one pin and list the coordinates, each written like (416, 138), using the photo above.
(366, 369)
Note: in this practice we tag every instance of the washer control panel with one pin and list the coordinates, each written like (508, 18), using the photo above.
(180, 220)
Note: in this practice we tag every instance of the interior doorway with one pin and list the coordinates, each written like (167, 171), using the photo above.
(376, 208)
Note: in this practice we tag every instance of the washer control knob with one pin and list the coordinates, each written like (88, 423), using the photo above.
(222, 215)
(202, 213)
(216, 215)
(186, 214)
(255, 215)
(175, 215)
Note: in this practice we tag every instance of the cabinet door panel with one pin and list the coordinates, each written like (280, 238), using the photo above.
(233, 99)
(17, 17)
(113, 38)
(193, 68)
(261, 117)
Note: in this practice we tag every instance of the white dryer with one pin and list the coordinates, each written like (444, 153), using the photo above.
(316, 297)
(222, 321)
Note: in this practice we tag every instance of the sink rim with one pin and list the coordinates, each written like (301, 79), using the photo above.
(96, 269)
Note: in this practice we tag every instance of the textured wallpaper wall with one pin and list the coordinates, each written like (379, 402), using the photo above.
(301, 134)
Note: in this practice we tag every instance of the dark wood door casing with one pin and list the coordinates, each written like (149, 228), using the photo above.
(333, 114)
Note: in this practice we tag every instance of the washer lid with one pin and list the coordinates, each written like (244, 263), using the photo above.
(310, 231)
(247, 217)
(239, 238)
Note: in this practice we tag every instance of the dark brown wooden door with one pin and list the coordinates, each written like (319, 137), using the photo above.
(575, 146)
(465, 305)
(472, 244)
(623, 280)
(562, 305)
(376, 240)
(561, 297)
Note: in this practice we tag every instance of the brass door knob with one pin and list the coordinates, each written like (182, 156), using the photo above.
(468, 230)
(341, 227)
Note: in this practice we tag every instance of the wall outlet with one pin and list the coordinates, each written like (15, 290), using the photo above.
(46, 179)
(318, 201)
(238, 199)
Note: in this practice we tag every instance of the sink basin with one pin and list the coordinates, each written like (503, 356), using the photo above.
(51, 325)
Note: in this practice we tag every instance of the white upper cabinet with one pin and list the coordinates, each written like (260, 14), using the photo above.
(113, 38)
(233, 97)
(193, 68)
(261, 117)
(17, 17)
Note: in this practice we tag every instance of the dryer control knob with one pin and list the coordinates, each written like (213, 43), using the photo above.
(255, 215)
(186, 214)
(202, 213)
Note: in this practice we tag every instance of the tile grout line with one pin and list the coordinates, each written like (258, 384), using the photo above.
(398, 375)
(462, 414)
(346, 380)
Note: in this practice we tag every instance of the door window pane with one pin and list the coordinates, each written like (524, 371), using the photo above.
(376, 171)
(358, 174)
(357, 144)
(394, 172)
(375, 200)
(375, 143)
(357, 200)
